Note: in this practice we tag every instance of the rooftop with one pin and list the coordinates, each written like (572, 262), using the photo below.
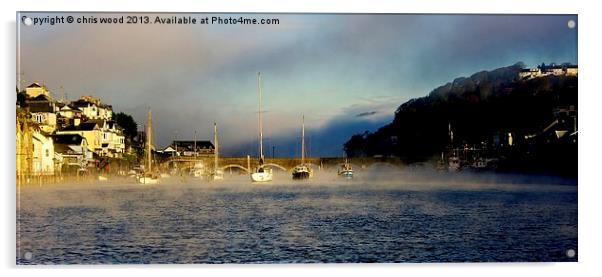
(67, 139)
(189, 144)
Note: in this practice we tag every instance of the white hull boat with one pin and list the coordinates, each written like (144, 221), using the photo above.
(148, 180)
(148, 177)
(262, 175)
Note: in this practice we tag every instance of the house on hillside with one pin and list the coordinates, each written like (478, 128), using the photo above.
(550, 69)
(43, 111)
(43, 153)
(112, 139)
(93, 108)
(74, 152)
(34, 90)
(88, 130)
(68, 115)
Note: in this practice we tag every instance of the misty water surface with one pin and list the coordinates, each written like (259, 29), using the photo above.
(411, 216)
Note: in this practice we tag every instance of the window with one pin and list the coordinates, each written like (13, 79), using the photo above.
(47, 153)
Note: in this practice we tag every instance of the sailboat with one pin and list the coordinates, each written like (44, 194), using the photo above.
(148, 177)
(261, 173)
(218, 174)
(302, 171)
(346, 170)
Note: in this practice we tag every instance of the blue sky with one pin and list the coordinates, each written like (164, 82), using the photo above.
(328, 67)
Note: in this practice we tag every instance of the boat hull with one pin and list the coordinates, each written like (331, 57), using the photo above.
(219, 175)
(346, 174)
(300, 175)
(265, 176)
(148, 180)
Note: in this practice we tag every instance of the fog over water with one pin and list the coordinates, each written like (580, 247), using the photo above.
(382, 215)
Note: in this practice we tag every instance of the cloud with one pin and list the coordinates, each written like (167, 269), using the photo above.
(364, 114)
(325, 139)
(343, 72)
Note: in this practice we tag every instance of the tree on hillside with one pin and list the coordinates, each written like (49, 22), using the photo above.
(127, 122)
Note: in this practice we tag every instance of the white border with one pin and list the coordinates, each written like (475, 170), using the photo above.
(589, 149)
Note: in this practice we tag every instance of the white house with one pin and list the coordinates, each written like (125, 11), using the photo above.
(93, 109)
(70, 112)
(103, 137)
(43, 154)
(550, 69)
(529, 73)
(112, 138)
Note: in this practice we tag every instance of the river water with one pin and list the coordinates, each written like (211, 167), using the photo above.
(403, 217)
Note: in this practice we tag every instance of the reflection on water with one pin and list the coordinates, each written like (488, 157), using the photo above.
(402, 218)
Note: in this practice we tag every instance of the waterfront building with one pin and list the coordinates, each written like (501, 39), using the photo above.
(112, 139)
(43, 153)
(88, 130)
(73, 150)
(82, 129)
(24, 144)
(190, 148)
(104, 137)
(169, 150)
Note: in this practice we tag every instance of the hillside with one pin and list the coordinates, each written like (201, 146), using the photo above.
(481, 110)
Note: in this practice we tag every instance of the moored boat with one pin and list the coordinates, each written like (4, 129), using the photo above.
(302, 171)
(218, 174)
(261, 173)
(148, 177)
(453, 164)
(346, 170)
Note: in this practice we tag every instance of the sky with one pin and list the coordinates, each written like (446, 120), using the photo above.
(345, 73)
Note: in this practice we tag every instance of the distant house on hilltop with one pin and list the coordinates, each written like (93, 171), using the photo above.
(92, 108)
(547, 70)
(35, 89)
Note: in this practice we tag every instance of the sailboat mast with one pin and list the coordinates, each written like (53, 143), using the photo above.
(303, 140)
(216, 147)
(260, 123)
(149, 141)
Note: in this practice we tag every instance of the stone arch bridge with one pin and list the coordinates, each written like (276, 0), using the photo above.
(246, 164)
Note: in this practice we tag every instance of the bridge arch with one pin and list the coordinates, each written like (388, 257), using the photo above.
(276, 166)
(235, 166)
